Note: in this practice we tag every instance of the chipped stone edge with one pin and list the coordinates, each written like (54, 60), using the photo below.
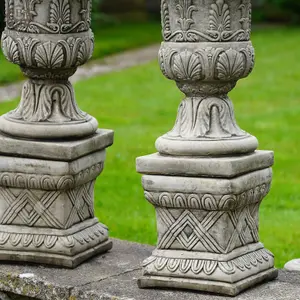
(41, 289)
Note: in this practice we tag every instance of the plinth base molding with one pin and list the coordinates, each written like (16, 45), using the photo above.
(218, 287)
(64, 248)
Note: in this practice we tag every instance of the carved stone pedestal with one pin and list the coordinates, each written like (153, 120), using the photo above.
(50, 151)
(207, 219)
(208, 180)
(47, 205)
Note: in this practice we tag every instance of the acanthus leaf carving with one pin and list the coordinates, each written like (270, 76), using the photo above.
(44, 102)
(166, 25)
(220, 23)
(245, 9)
(219, 18)
(21, 16)
(10, 49)
(60, 15)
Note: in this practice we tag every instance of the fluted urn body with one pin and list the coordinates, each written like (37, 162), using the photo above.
(48, 40)
(207, 181)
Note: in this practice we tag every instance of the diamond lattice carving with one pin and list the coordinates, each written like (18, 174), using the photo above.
(189, 231)
(30, 207)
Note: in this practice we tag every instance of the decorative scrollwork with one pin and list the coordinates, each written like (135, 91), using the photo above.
(48, 241)
(47, 182)
(207, 201)
(182, 266)
(23, 16)
(220, 25)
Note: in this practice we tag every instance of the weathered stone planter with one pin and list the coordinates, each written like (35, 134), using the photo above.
(208, 180)
(51, 151)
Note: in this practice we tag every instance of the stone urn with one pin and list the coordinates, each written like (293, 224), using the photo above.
(206, 50)
(48, 40)
(51, 151)
(208, 180)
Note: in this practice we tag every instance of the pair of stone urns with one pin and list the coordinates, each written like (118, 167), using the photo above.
(206, 181)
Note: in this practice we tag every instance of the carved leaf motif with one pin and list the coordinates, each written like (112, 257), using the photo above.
(185, 9)
(27, 45)
(27, 240)
(231, 65)
(15, 239)
(60, 12)
(10, 50)
(4, 237)
(187, 66)
(38, 240)
(165, 20)
(219, 19)
(209, 201)
(68, 241)
(49, 56)
(50, 241)
(68, 105)
(180, 200)
(37, 108)
(83, 54)
(197, 266)
(210, 267)
(10, 13)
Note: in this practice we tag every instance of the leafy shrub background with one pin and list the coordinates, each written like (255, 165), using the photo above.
(287, 11)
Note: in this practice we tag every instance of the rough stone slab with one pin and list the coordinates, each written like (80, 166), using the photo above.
(226, 167)
(114, 276)
(65, 150)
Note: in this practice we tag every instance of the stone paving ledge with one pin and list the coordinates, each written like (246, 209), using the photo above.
(113, 276)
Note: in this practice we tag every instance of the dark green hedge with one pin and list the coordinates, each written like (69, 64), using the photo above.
(2, 8)
(287, 11)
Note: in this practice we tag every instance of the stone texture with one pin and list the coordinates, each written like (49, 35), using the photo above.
(62, 150)
(293, 265)
(226, 167)
(113, 277)
(51, 151)
(207, 181)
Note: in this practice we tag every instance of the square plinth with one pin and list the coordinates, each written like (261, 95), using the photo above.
(61, 150)
(225, 167)
(207, 221)
(47, 204)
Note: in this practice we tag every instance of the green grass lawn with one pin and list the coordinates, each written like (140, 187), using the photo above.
(140, 105)
(109, 40)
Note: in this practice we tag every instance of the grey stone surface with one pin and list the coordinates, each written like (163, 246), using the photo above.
(57, 150)
(208, 180)
(51, 151)
(293, 265)
(113, 276)
(49, 40)
(224, 167)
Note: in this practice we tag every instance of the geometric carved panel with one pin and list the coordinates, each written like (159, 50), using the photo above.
(213, 231)
(54, 209)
